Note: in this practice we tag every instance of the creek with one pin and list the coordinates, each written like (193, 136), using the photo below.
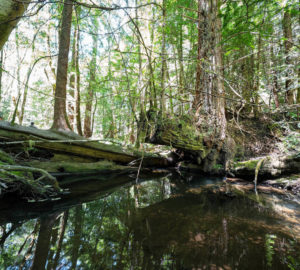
(162, 221)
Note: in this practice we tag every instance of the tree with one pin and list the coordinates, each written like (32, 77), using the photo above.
(60, 116)
(209, 94)
(92, 83)
(10, 13)
(288, 44)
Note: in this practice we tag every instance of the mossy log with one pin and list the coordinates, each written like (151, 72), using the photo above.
(272, 166)
(73, 167)
(71, 144)
(182, 134)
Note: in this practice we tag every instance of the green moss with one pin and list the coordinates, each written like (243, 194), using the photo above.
(217, 166)
(75, 167)
(4, 157)
(249, 164)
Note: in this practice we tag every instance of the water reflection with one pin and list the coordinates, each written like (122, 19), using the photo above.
(156, 224)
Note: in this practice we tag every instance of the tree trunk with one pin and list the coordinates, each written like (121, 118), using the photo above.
(288, 43)
(92, 84)
(211, 72)
(77, 94)
(10, 13)
(198, 99)
(60, 115)
(1, 67)
(73, 145)
(163, 61)
(275, 85)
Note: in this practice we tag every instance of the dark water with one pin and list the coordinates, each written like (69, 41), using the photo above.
(166, 222)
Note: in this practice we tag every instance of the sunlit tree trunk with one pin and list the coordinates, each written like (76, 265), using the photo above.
(60, 115)
(163, 61)
(288, 43)
(181, 67)
(141, 123)
(219, 89)
(275, 85)
(211, 76)
(198, 98)
(256, 78)
(92, 83)
(77, 93)
(72, 83)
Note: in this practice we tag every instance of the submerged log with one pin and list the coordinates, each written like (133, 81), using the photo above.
(71, 144)
(272, 166)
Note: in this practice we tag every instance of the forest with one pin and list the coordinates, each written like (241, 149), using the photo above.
(136, 88)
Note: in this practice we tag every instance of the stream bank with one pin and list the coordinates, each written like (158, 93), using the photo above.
(66, 153)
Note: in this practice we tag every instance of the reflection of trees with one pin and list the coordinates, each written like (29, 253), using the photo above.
(144, 227)
(43, 242)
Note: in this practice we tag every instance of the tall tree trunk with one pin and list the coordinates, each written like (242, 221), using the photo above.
(92, 83)
(72, 90)
(77, 93)
(211, 76)
(256, 78)
(219, 90)
(163, 61)
(181, 68)
(60, 115)
(10, 13)
(288, 43)
(1, 72)
(200, 55)
(275, 85)
(141, 128)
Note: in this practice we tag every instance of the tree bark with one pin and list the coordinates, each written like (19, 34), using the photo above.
(1, 67)
(200, 55)
(60, 121)
(288, 43)
(10, 13)
(77, 94)
(163, 61)
(92, 83)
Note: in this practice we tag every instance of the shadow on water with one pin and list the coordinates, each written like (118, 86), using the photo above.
(161, 222)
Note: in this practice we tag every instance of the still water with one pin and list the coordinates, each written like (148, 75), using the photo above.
(160, 222)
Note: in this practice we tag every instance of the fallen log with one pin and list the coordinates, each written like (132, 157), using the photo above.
(71, 144)
(272, 166)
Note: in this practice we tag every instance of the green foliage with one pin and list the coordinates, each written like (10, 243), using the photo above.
(270, 241)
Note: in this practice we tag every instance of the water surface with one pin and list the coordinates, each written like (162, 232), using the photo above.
(166, 222)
